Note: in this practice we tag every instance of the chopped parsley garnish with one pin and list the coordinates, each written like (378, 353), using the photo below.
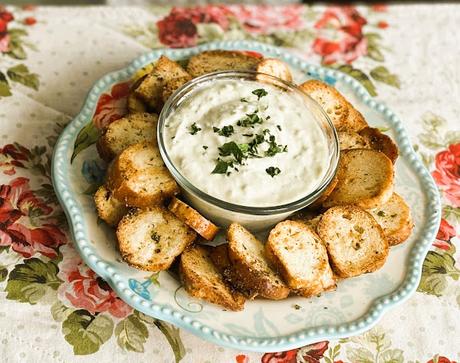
(275, 148)
(226, 131)
(250, 120)
(205, 147)
(273, 170)
(232, 148)
(254, 143)
(260, 92)
(194, 129)
(233, 154)
(381, 213)
(221, 167)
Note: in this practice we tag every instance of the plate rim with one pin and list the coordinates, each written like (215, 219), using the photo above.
(78, 232)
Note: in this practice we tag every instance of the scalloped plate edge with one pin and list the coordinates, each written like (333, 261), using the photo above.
(60, 162)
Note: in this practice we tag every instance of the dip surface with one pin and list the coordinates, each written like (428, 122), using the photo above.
(247, 143)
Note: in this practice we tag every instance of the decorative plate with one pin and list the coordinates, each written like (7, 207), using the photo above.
(355, 306)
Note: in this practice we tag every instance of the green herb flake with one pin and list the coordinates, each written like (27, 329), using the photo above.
(275, 148)
(215, 129)
(243, 100)
(381, 213)
(231, 148)
(248, 135)
(260, 92)
(250, 120)
(205, 147)
(272, 171)
(221, 167)
(226, 131)
(194, 129)
(278, 127)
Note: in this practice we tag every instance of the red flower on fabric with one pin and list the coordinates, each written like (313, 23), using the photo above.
(445, 233)
(447, 173)
(242, 358)
(30, 20)
(179, 28)
(19, 208)
(289, 356)
(111, 107)
(85, 290)
(13, 155)
(264, 19)
(314, 352)
(310, 353)
(340, 36)
(441, 359)
(5, 18)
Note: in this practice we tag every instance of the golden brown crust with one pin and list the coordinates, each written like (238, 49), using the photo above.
(151, 239)
(108, 208)
(274, 67)
(365, 178)
(380, 142)
(126, 131)
(319, 202)
(355, 242)
(352, 140)
(395, 218)
(202, 280)
(193, 219)
(252, 272)
(332, 102)
(220, 60)
(140, 184)
(289, 239)
(354, 121)
(166, 76)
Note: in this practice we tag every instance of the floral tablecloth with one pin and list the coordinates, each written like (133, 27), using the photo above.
(54, 309)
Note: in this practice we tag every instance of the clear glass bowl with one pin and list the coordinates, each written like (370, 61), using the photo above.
(222, 212)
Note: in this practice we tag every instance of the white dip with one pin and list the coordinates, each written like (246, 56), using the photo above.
(275, 154)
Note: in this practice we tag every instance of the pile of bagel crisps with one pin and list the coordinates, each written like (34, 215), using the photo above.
(345, 233)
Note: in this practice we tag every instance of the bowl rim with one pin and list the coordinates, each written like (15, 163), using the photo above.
(333, 157)
(62, 158)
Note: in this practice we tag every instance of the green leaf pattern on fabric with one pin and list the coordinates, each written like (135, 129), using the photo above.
(86, 332)
(21, 74)
(85, 138)
(31, 280)
(382, 74)
(131, 333)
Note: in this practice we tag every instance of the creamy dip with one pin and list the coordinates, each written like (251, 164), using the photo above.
(247, 143)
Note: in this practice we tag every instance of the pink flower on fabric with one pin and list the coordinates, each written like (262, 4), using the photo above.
(340, 36)
(264, 19)
(18, 207)
(85, 290)
(447, 173)
(112, 106)
(179, 28)
(445, 233)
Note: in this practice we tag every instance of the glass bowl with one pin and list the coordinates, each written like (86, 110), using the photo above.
(220, 211)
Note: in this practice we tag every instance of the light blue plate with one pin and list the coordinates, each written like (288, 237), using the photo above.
(265, 326)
